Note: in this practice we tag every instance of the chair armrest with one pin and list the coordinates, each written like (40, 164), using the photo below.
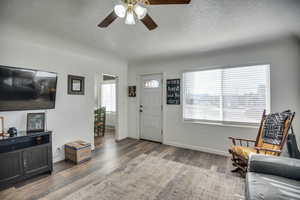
(273, 165)
(233, 139)
(242, 139)
(270, 150)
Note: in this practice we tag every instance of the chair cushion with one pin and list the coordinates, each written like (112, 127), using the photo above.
(269, 187)
(243, 151)
(246, 151)
(274, 127)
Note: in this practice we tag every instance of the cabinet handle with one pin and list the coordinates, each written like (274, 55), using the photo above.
(25, 163)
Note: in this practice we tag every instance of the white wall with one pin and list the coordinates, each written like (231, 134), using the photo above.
(72, 119)
(283, 55)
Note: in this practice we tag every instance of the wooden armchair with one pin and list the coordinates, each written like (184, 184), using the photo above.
(264, 144)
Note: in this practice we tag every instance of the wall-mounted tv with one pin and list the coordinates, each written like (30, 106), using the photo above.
(26, 89)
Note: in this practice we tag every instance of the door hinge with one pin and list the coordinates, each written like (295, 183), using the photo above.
(161, 107)
(162, 132)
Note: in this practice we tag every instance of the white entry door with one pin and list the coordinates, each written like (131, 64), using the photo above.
(151, 107)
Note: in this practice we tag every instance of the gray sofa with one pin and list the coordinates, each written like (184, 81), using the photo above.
(273, 178)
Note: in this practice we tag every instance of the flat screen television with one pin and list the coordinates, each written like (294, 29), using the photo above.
(26, 89)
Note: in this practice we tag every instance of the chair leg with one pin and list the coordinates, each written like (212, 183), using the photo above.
(239, 164)
(242, 173)
(235, 170)
(234, 160)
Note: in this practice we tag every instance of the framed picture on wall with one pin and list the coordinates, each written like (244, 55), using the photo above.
(131, 91)
(35, 122)
(173, 91)
(75, 85)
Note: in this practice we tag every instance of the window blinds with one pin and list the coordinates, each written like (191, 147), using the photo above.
(238, 94)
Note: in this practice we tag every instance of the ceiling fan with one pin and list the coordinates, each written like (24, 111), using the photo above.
(136, 9)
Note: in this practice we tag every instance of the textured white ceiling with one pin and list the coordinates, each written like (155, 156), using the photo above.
(203, 25)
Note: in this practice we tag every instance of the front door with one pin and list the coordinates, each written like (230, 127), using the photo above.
(151, 107)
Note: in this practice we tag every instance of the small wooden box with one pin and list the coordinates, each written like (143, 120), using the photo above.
(78, 151)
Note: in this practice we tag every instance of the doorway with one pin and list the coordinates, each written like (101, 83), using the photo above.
(106, 115)
(151, 107)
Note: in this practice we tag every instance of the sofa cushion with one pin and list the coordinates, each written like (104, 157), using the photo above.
(277, 166)
(269, 187)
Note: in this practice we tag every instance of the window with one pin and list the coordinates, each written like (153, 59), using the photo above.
(108, 96)
(227, 95)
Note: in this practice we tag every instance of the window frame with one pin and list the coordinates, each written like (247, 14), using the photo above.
(226, 123)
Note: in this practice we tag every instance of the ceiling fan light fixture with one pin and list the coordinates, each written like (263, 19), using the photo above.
(120, 10)
(130, 18)
(133, 10)
(140, 11)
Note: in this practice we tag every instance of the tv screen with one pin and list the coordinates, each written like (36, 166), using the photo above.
(26, 89)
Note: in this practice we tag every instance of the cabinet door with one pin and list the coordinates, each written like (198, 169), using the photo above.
(36, 160)
(10, 167)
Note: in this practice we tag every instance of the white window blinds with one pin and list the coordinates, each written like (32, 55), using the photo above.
(108, 97)
(238, 94)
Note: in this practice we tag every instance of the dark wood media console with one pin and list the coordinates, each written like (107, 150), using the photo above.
(24, 155)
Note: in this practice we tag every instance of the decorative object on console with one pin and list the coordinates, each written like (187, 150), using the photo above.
(35, 122)
(75, 85)
(173, 91)
(12, 131)
(131, 91)
(1, 126)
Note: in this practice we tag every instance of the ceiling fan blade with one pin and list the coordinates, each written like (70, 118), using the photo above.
(161, 2)
(108, 20)
(149, 22)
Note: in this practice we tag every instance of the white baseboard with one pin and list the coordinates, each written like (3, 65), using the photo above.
(58, 159)
(131, 137)
(121, 138)
(197, 148)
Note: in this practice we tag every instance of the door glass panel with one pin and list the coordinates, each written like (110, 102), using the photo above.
(151, 84)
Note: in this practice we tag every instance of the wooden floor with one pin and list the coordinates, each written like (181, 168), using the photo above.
(109, 135)
(107, 158)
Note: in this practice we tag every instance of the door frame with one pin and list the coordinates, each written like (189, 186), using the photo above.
(139, 92)
(99, 82)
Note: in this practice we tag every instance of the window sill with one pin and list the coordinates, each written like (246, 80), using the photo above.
(254, 126)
